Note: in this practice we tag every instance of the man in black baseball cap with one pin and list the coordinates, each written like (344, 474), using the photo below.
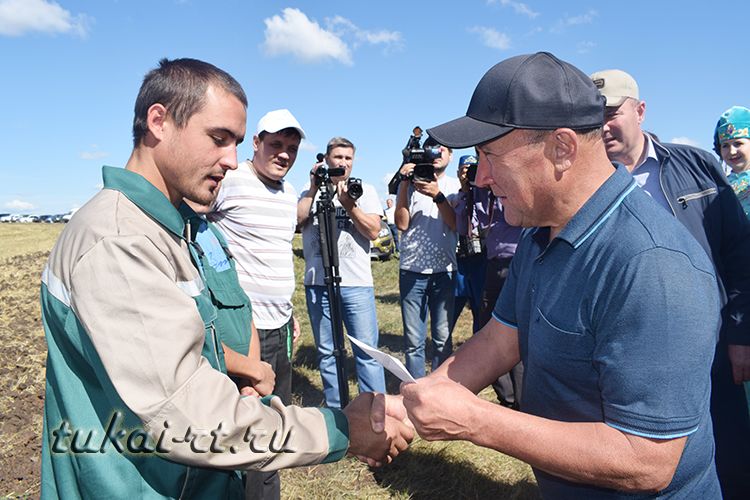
(609, 303)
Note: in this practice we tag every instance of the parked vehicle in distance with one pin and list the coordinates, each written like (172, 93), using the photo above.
(5, 217)
(66, 217)
(383, 246)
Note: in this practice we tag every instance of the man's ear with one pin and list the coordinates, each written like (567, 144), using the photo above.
(156, 120)
(256, 143)
(640, 110)
(564, 146)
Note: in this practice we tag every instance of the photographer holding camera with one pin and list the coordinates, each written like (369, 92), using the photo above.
(424, 214)
(357, 221)
(472, 203)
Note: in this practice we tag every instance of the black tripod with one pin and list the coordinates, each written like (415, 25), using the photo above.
(329, 252)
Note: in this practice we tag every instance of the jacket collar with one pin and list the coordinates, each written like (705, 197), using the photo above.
(145, 196)
(662, 153)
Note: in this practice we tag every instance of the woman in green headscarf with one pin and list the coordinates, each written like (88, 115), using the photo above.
(732, 144)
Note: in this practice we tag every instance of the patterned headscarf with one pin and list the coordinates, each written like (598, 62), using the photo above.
(734, 123)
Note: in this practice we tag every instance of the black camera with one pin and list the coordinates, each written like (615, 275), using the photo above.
(469, 246)
(324, 173)
(422, 157)
(471, 164)
(354, 188)
(423, 172)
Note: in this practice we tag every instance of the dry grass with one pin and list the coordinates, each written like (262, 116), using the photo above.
(428, 470)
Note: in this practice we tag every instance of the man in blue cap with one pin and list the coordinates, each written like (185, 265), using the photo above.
(611, 306)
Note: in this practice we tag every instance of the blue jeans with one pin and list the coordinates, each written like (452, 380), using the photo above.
(358, 313)
(421, 293)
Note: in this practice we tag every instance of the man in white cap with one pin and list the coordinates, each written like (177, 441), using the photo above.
(689, 183)
(256, 211)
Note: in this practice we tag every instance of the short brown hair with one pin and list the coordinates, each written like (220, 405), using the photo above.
(339, 142)
(180, 86)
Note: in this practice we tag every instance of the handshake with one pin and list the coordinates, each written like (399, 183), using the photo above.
(382, 426)
(377, 432)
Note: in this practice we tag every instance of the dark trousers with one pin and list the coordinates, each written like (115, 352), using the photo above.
(274, 351)
(731, 423)
(509, 386)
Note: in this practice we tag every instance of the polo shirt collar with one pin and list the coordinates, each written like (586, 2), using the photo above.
(145, 196)
(599, 207)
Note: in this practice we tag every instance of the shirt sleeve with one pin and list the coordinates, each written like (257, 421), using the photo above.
(370, 201)
(148, 336)
(660, 312)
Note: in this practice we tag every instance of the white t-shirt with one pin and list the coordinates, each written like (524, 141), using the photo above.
(428, 245)
(258, 223)
(353, 246)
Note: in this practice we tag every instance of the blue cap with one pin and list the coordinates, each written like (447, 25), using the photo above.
(467, 160)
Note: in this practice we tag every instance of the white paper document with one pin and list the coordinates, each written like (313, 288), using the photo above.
(390, 363)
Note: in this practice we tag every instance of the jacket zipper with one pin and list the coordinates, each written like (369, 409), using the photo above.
(695, 196)
(216, 346)
(664, 191)
(184, 485)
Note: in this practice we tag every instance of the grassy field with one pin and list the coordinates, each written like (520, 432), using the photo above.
(427, 470)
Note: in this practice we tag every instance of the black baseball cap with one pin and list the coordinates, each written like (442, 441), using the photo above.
(532, 91)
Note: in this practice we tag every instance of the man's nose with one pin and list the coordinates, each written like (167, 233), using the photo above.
(483, 178)
(229, 160)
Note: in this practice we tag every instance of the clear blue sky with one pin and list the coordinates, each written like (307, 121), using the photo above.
(369, 71)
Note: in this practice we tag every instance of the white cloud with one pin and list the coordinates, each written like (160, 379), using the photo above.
(306, 145)
(519, 7)
(93, 155)
(19, 205)
(585, 47)
(568, 21)
(296, 34)
(342, 26)
(492, 38)
(18, 17)
(686, 140)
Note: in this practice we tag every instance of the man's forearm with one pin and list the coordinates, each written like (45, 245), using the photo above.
(401, 214)
(583, 452)
(367, 224)
(303, 207)
(448, 214)
(592, 453)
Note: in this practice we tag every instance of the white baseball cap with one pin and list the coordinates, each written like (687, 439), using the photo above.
(616, 86)
(279, 119)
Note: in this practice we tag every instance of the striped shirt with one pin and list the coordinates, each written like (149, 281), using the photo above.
(258, 223)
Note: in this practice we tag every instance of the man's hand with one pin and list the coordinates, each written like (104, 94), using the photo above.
(463, 177)
(407, 168)
(295, 330)
(375, 447)
(343, 195)
(247, 390)
(313, 184)
(739, 357)
(439, 408)
(262, 378)
(430, 189)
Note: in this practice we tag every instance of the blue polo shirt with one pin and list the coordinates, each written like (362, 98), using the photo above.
(617, 319)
